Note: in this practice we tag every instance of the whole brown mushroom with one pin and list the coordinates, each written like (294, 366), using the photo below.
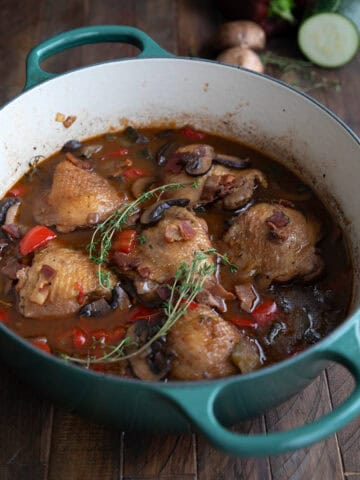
(241, 33)
(244, 57)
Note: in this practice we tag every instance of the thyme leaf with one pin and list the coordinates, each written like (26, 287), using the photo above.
(188, 283)
(101, 240)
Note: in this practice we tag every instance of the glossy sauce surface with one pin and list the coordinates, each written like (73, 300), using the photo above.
(306, 311)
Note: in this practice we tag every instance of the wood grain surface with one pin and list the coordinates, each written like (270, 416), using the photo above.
(39, 441)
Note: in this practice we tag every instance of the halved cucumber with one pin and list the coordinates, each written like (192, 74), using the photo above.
(328, 39)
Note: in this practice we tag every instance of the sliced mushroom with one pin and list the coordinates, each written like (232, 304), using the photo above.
(134, 136)
(71, 146)
(152, 364)
(231, 161)
(197, 158)
(148, 300)
(4, 207)
(12, 213)
(141, 185)
(154, 213)
(89, 150)
(119, 298)
(98, 308)
(163, 153)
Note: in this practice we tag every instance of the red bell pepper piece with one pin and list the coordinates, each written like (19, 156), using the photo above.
(265, 312)
(145, 313)
(118, 153)
(117, 334)
(18, 191)
(41, 344)
(243, 322)
(81, 295)
(132, 174)
(124, 241)
(4, 317)
(79, 338)
(34, 238)
(191, 305)
(193, 134)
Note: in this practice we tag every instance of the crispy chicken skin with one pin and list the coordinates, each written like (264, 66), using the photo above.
(57, 282)
(78, 198)
(202, 343)
(274, 243)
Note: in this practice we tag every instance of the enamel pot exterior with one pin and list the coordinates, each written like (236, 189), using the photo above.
(220, 99)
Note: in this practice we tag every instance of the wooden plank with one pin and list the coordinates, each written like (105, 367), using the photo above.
(19, 31)
(162, 31)
(81, 449)
(22, 472)
(25, 429)
(321, 461)
(197, 25)
(159, 456)
(215, 465)
(118, 12)
(341, 383)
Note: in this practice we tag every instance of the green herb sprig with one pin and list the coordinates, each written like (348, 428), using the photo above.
(115, 354)
(223, 258)
(188, 283)
(101, 240)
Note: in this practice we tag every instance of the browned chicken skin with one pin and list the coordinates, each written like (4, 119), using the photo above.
(57, 282)
(173, 240)
(202, 343)
(78, 198)
(236, 187)
(275, 243)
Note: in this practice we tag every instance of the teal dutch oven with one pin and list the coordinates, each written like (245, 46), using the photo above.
(157, 88)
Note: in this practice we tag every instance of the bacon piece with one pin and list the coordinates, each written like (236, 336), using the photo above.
(48, 272)
(78, 162)
(125, 262)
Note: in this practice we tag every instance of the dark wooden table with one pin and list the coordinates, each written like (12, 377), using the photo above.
(41, 441)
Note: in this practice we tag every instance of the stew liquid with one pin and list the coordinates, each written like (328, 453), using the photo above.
(282, 278)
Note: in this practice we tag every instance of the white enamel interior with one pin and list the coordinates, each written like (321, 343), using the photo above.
(217, 98)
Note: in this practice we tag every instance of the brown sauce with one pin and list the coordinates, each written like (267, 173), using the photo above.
(306, 311)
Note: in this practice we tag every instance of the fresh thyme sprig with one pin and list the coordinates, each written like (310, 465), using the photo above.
(284, 63)
(101, 240)
(188, 283)
(223, 258)
(306, 78)
(115, 354)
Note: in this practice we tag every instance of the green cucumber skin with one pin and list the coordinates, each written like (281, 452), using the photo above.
(348, 8)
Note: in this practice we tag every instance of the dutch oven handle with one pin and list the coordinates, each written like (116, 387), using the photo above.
(198, 406)
(82, 36)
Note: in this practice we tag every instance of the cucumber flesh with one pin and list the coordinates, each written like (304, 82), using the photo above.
(328, 39)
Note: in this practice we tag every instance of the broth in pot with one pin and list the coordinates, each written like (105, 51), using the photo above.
(169, 255)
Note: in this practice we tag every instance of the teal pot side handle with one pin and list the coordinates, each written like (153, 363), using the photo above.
(199, 406)
(83, 36)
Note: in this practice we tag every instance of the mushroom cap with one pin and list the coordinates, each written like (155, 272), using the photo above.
(243, 57)
(154, 213)
(241, 33)
(197, 158)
